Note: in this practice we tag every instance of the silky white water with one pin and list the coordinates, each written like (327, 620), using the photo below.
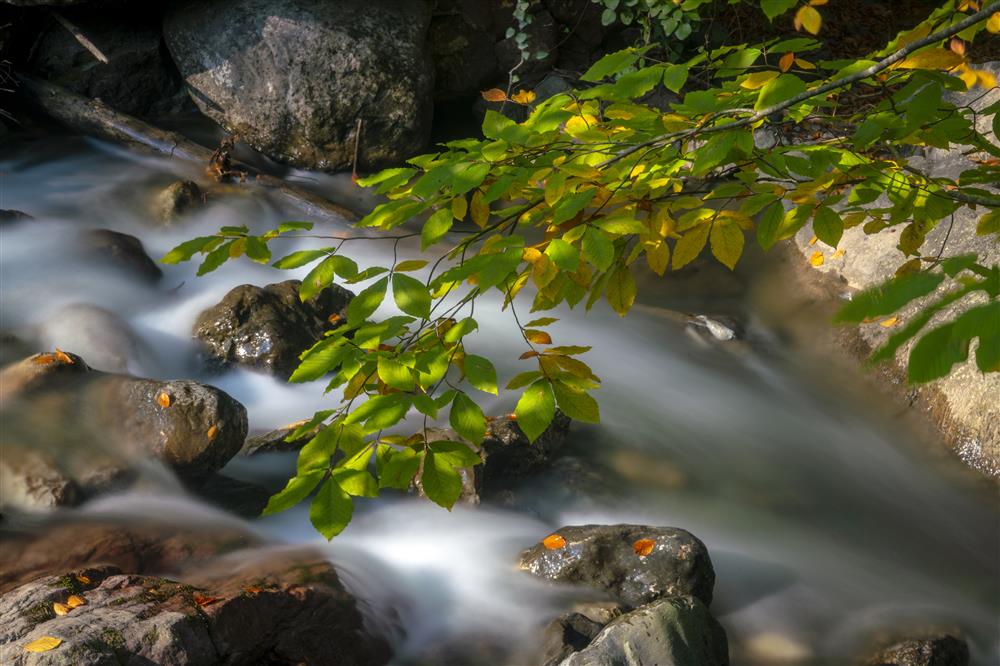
(824, 524)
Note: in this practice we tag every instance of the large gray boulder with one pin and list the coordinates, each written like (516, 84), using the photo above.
(636, 564)
(963, 405)
(678, 631)
(267, 328)
(293, 77)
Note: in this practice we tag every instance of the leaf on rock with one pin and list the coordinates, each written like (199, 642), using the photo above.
(60, 609)
(163, 399)
(643, 547)
(43, 644)
(554, 542)
(76, 600)
(494, 95)
(204, 600)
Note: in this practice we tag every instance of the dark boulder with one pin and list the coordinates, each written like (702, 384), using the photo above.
(120, 251)
(138, 79)
(565, 635)
(293, 77)
(176, 200)
(266, 328)
(677, 631)
(636, 564)
(461, 43)
(10, 215)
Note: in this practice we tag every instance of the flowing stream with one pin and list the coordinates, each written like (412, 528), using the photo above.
(825, 525)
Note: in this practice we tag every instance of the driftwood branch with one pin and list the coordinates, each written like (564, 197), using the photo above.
(94, 117)
(80, 37)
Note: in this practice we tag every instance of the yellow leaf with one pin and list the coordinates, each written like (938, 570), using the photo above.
(494, 95)
(538, 337)
(658, 257)
(812, 241)
(933, 59)
(837, 255)
(554, 542)
(888, 323)
(163, 399)
(816, 259)
(643, 547)
(727, 243)
(757, 80)
(459, 207)
(579, 124)
(621, 290)
(985, 79)
(86, 579)
(76, 600)
(43, 644)
(213, 431)
(804, 64)
(60, 609)
(818, 3)
(523, 97)
(993, 24)
(786, 61)
(807, 17)
(480, 210)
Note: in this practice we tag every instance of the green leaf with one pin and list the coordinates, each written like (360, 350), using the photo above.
(597, 248)
(188, 249)
(436, 226)
(324, 357)
(727, 242)
(331, 510)
(410, 265)
(769, 225)
(889, 297)
(564, 255)
(411, 295)
(467, 419)
(772, 8)
(294, 226)
(399, 469)
(364, 304)
(381, 411)
(296, 490)
(690, 245)
(481, 374)
(779, 90)
(300, 258)
(989, 223)
(439, 480)
(461, 329)
(611, 64)
(713, 153)
(621, 290)
(674, 77)
(536, 409)
(395, 374)
(577, 405)
(315, 454)
(828, 226)
(215, 258)
(458, 454)
(622, 225)
(257, 250)
(935, 353)
(356, 482)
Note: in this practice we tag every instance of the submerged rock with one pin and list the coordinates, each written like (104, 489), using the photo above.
(266, 328)
(293, 77)
(121, 251)
(637, 564)
(565, 635)
(943, 650)
(176, 200)
(238, 497)
(678, 631)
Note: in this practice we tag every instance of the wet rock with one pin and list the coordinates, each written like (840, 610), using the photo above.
(266, 328)
(509, 458)
(10, 215)
(176, 200)
(272, 441)
(138, 78)
(121, 251)
(32, 479)
(159, 546)
(290, 608)
(943, 650)
(93, 428)
(608, 557)
(104, 338)
(237, 497)
(677, 631)
(293, 77)
(565, 635)
(461, 41)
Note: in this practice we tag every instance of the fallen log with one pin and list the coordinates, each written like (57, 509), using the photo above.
(94, 117)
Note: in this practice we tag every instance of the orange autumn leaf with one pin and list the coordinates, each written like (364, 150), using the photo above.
(83, 579)
(816, 259)
(43, 359)
(43, 644)
(538, 337)
(203, 600)
(163, 399)
(554, 542)
(786, 61)
(956, 45)
(212, 432)
(253, 590)
(643, 547)
(494, 95)
(63, 356)
(60, 609)
(523, 97)
(76, 600)
(528, 354)
(888, 323)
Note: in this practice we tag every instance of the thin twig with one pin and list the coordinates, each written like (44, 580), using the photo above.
(80, 37)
